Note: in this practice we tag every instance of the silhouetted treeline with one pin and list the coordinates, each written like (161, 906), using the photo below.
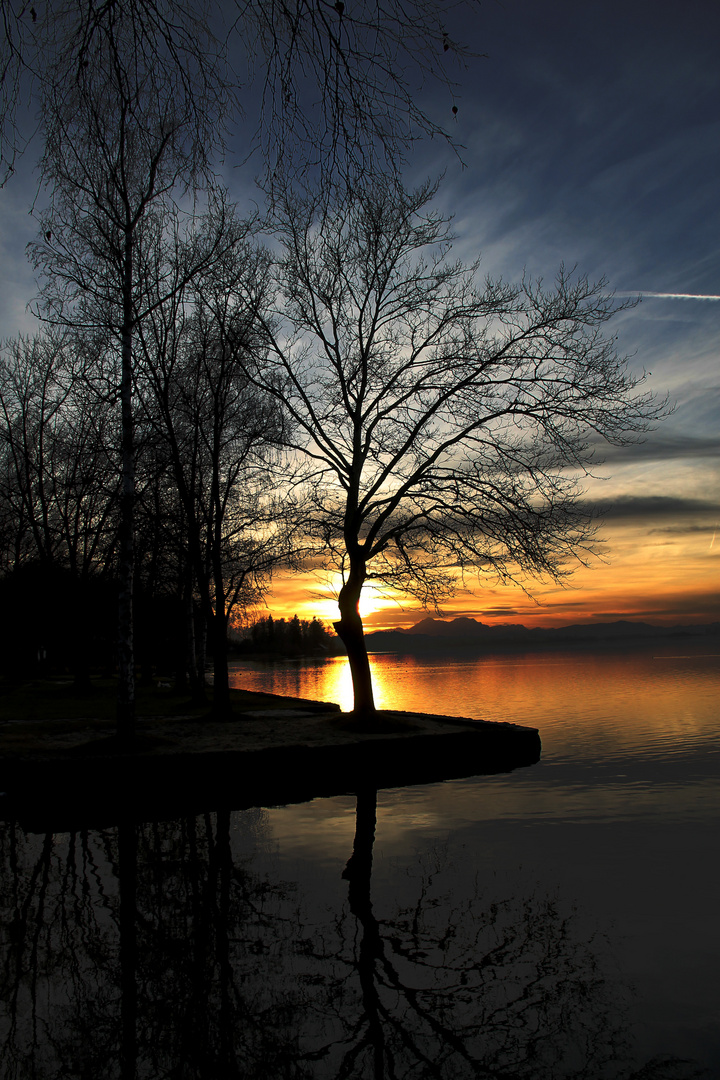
(209, 527)
(292, 637)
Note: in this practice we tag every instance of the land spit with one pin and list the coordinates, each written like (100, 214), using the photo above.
(69, 774)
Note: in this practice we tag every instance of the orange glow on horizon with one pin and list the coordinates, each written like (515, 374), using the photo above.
(661, 577)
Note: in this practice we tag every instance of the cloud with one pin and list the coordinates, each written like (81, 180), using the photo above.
(706, 611)
(494, 611)
(671, 295)
(684, 530)
(653, 506)
(662, 447)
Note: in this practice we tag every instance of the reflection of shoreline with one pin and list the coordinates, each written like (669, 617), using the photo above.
(171, 944)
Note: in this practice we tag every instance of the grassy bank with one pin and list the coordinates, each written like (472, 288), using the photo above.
(51, 699)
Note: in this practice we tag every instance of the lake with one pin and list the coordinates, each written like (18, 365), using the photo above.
(557, 921)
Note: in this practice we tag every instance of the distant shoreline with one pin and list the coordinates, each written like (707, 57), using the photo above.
(468, 636)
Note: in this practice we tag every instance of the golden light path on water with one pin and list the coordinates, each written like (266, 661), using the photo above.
(623, 702)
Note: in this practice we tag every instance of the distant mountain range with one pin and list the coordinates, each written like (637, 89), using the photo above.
(433, 635)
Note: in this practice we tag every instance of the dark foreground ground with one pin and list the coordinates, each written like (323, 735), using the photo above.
(69, 771)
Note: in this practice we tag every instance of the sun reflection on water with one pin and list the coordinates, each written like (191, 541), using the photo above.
(620, 702)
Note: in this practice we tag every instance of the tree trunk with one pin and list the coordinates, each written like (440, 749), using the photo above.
(190, 663)
(370, 952)
(221, 684)
(126, 657)
(350, 632)
(79, 620)
(127, 881)
(201, 649)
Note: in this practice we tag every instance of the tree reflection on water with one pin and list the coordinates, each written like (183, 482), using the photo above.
(159, 951)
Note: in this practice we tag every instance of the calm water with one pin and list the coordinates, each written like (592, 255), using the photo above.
(558, 921)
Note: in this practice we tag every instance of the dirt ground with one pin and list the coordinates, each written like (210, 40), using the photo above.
(315, 725)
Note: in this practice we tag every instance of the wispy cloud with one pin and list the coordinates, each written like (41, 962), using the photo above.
(684, 530)
(653, 506)
(662, 447)
(671, 295)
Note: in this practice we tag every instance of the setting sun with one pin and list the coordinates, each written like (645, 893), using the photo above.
(652, 570)
(308, 596)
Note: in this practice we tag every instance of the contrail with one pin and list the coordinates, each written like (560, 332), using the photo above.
(671, 295)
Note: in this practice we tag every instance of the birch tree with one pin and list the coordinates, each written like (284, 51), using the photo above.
(135, 103)
(123, 142)
(221, 434)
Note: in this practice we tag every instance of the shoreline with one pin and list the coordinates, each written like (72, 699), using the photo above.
(60, 775)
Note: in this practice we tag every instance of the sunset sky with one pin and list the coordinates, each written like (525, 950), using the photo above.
(591, 135)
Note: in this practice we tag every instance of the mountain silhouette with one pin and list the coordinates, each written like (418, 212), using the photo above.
(438, 634)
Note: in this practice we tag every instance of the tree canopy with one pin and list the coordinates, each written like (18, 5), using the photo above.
(326, 91)
(446, 421)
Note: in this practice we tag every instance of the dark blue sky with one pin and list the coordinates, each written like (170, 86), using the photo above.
(593, 135)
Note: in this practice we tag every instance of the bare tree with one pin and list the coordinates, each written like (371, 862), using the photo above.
(220, 432)
(330, 88)
(134, 99)
(339, 84)
(58, 481)
(57, 48)
(445, 424)
(35, 383)
(123, 141)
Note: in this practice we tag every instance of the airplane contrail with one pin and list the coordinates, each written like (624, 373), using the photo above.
(671, 295)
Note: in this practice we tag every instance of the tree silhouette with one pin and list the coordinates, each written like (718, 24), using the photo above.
(134, 101)
(58, 490)
(326, 91)
(220, 433)
(60, 48)
(122, 141)
(444, 423)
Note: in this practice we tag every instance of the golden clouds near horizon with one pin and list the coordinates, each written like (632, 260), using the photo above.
(665, 573)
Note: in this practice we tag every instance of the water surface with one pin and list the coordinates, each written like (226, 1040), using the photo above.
(558, 921)
(605, 703)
